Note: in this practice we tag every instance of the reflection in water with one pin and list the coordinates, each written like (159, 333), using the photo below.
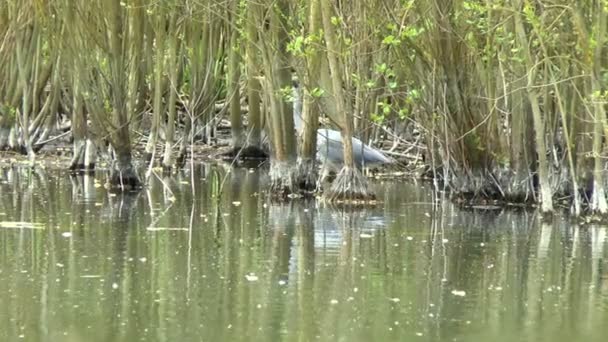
(213, 261)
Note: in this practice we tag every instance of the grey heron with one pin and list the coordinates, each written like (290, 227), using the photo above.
(330, 149)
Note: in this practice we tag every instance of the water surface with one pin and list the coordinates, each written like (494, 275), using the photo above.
(203, 256)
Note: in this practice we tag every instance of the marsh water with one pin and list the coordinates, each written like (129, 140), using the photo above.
(204, 256)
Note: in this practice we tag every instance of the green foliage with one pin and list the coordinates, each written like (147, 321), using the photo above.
(391, 40)
(287, 93)
(317, 92)
(304, 46)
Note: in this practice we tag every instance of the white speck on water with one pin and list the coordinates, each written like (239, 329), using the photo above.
(459, 293)
(350, 299)
(259, 306)
(306, 210)
(490, 266)
(251, 277)
(356, 289)
(482, 244)
(395, 300)
(418, 334)
(365, 236)
(445, 240)
(114, 286)
(410, 238)
(66, 234)
(443, 280)
(236, 203)
(333, 302)
(59, 264)
(282, 282)
(427, 214)
(143, 259)
(431, 315)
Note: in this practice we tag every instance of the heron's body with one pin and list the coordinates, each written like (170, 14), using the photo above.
(330, 148)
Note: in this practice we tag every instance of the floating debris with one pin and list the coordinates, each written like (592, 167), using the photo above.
(156, 229)
(365, 236)
(459, 293)
(236, 203)
(395, 300)
(21, 225)
(66, 234)
(251, 277)
(333, 302)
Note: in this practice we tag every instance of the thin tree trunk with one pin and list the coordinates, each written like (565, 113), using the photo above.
(307, 170)
(253, 84)
(278, 77)
(168, 159)
(159, 89)
(546, 194)
(598, 203)
(350, 183)
(232, 80)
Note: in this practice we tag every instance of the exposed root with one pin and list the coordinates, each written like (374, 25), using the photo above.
(283, 182)
(4, 146)
(350, 186)
(181, 159)
(77, 161)
(306, 174)
(123, 177)
(90, 157)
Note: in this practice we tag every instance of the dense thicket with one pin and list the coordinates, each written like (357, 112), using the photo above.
(509, 95)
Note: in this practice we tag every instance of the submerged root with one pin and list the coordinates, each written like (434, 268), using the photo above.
(350, 186)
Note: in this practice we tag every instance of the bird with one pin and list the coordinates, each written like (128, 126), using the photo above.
(330, 148)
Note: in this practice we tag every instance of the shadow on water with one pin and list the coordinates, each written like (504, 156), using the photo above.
(203, 256)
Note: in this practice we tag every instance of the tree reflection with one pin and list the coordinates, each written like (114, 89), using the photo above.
(189, 262)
